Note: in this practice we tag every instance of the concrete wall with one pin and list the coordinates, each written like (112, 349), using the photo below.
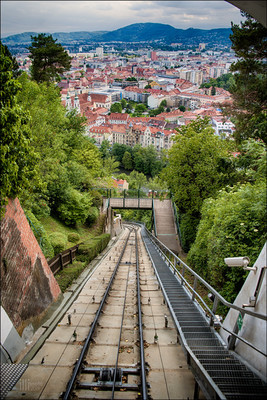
(11, 343)
(28, 286)
(253, 329)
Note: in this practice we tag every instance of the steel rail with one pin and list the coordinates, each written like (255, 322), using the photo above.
(79, 362)
(140, 323)
(118, 352)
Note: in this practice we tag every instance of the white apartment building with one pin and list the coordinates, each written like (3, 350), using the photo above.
(153, 101)
(223, 128)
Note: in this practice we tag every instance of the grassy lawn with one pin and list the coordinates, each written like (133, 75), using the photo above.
(92, 245)
(52, 224)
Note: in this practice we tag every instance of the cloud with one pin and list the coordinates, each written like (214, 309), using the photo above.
(69, 16)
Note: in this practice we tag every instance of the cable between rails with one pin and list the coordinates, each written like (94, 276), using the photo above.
(78, 365)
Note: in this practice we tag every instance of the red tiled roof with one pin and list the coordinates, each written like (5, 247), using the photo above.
(100, 98)
(119, 116)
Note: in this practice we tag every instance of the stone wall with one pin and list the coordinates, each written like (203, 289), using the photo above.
(28, 286)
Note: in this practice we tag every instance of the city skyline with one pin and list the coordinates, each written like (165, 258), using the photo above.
(70, 16)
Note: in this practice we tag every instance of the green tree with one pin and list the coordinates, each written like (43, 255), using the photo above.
(105, 149)
(225, 81)
(89, 156)
(137, 180)
(232, 223)
(157, 184)
(74, 207)
(123, 103)
(118, 151)
(127, 161)
(18, 158)
(49, 59)
(110, 166)
(249, 90)
(251, 162)
(193, 173)
(213, 91)
(67, 158)
(182, 108)
(140, 109)
(14, 66)
(116, 108)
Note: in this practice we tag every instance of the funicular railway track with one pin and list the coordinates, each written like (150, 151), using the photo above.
(122, 370)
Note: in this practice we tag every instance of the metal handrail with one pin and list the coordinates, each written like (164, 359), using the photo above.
(154, 217)
(217, 297)
(211, 289)
(176, 220)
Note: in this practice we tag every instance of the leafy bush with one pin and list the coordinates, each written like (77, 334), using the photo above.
(233, 224)
(97, 199)
(74, 207)
(66, 276)
(188, 227)
(58, 240)
(40, 208)
(88, 251)
(73, 237)
(40, 234)
(93, 214)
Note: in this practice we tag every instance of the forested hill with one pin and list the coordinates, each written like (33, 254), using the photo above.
(134, 33)
(168, 34)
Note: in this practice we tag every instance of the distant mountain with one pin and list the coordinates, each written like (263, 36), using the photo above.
(166, 33)
(62, 37)
(134, 33)
(141, 32)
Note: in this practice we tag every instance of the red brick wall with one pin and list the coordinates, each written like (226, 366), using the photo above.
(28, 286)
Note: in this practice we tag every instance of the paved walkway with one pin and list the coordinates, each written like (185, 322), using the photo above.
(165, 225)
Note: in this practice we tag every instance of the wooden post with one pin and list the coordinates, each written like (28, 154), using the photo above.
(71, 256)
(61, 260)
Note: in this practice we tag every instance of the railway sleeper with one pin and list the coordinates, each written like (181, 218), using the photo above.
(107, 385)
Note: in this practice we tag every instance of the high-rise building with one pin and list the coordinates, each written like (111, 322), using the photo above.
(99, 51)
(153, 56)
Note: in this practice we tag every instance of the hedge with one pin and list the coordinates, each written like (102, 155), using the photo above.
(89, 250)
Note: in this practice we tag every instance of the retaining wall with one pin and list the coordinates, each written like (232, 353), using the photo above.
(28, 286)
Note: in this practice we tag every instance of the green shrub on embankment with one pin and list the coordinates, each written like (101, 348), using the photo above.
(86, 252)
(66, 276)
(90, 249)
(58, 240)
(74, 237)
(40, 235)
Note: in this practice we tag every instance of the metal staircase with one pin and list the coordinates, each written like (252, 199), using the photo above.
(219, 372)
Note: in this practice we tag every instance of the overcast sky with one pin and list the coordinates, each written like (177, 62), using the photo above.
(71, 16)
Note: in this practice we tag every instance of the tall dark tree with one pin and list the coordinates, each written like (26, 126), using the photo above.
(14, 64)
(49, 59)
(18, 159)
(249, 91)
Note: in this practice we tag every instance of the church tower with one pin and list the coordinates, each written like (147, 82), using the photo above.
(77, 103)
(68, 102)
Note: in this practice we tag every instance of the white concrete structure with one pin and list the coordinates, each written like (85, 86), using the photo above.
(11, 343)
(253, 329)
